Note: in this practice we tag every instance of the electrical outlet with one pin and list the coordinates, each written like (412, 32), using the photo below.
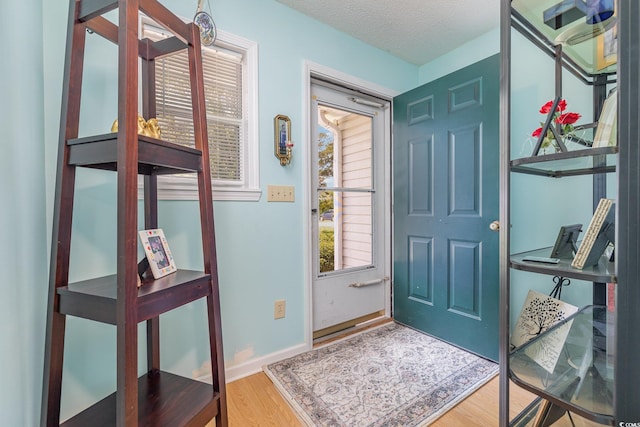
(279, 308)
(280, 193)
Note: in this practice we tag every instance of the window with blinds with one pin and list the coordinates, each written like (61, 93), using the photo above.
(226, 105)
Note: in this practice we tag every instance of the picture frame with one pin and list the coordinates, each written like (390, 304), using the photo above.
(158, 253)
(607, 48)
(566, 242)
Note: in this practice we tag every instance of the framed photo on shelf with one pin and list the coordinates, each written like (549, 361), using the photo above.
(607, 48)
(158, 253)
(566, 242)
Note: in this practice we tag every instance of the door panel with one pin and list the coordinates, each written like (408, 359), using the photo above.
(446, 152)
(420, 176)
(465, 171)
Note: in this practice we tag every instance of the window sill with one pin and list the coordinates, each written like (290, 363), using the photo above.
(171, 190)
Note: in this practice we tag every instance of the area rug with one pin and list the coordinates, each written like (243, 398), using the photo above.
(388, 376)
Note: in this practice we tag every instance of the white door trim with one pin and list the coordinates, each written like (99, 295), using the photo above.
(312, 69)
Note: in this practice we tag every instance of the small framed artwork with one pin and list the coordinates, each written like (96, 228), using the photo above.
(158, 253)
(607, 48)
(566, 242)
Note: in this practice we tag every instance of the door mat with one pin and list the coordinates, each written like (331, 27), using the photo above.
(388, 376)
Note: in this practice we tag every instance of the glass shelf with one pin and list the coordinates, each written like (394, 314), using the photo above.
(593, 55)
(603, 272)
(571, 163)
(527, 418)
(581, 380)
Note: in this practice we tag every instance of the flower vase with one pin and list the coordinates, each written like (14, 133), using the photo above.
(551, 148)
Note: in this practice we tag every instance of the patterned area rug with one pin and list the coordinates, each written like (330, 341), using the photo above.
(388, 376)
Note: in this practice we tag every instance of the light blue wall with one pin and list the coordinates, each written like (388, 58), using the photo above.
(23, 251)
(261, 246)
(469, 53)
(539, 205)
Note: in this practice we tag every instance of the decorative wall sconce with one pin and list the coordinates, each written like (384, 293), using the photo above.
(282, 139)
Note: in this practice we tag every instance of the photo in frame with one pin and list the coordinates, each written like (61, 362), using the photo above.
(158, 253)
(607, 48)
(566, 243)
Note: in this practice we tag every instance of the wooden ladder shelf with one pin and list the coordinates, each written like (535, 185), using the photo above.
(157, 398)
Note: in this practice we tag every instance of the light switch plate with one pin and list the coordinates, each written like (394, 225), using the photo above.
(281, 193)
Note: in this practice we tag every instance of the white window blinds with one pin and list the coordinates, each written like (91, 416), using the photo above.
(223, 84)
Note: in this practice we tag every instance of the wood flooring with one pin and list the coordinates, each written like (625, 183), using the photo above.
(254, 401)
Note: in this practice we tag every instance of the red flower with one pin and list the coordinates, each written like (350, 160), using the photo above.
(568, 118)
(565, 122)
(562, 105)
(546, 107)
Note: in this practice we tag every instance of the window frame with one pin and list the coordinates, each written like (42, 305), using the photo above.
(183, 187)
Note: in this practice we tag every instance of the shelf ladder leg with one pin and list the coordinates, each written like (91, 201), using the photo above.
(206, 220)
(62, 219)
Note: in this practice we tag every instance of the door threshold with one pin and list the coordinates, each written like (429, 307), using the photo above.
(351, 327)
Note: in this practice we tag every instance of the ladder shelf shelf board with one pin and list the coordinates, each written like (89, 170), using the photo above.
(164, 400)
(154, 156)
(96, 299)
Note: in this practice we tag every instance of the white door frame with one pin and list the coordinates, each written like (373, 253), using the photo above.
(316, 70)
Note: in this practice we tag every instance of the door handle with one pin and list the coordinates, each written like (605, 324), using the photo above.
(494, 226)
(369, 283)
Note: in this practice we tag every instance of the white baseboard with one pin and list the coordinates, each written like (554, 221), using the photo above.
(253, 366)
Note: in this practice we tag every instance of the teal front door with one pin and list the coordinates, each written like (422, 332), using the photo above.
(446, 194)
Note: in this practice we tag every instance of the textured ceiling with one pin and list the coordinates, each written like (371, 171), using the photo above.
(416, 31)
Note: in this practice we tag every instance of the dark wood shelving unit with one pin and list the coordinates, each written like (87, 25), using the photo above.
(157, 398)
(96, 299)
(155, 157)
(164, 400)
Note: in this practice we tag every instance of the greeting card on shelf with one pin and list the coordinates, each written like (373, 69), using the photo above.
(157, 250)
(540, 312)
